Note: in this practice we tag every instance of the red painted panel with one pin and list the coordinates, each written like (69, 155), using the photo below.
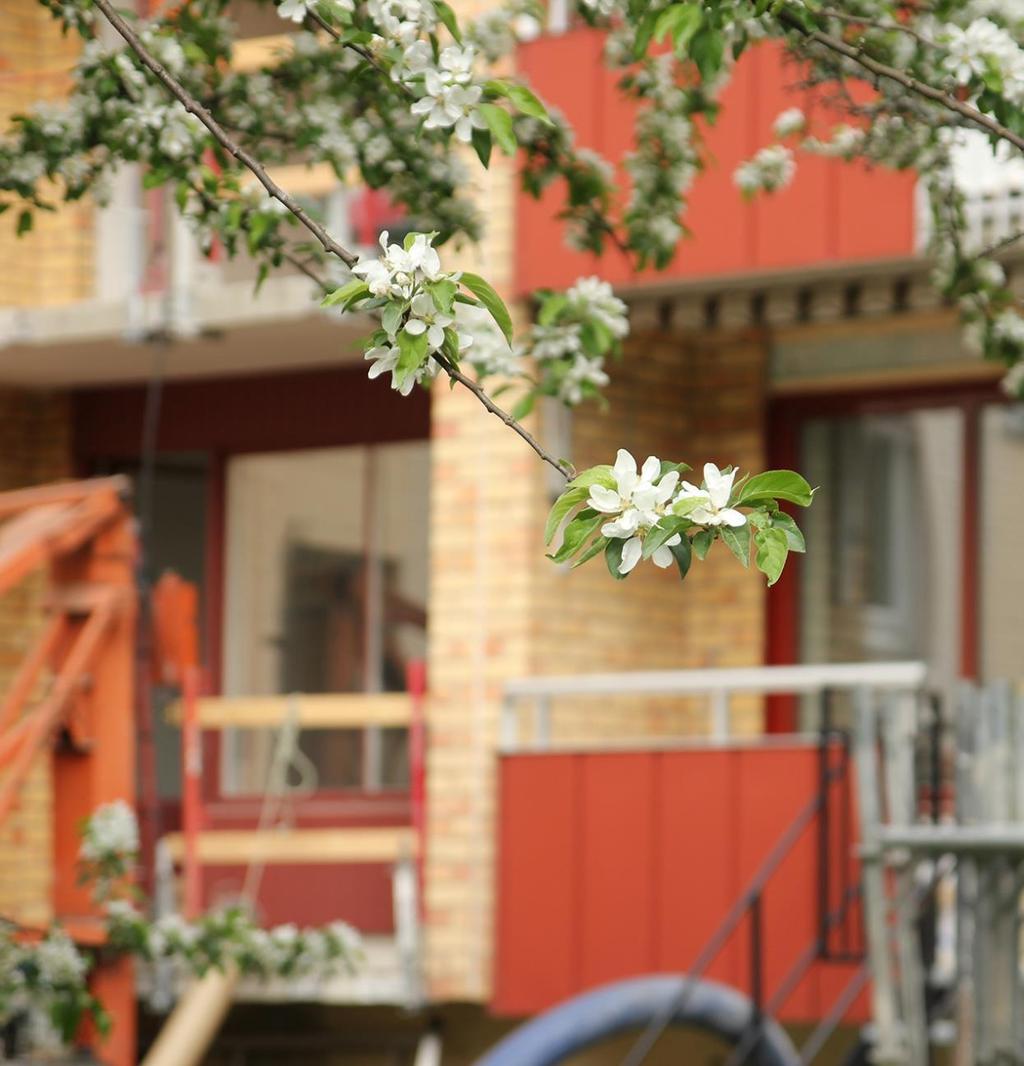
(616, 864)
(311, 894)
(538, 867)
(617, 822)
(695, 893)
(832, 211)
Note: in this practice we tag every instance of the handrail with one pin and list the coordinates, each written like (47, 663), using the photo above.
(317, 711)
(719, 684)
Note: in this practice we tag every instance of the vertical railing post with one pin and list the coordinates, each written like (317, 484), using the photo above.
(756, 959)
(824, 817)
(416, 683)
(191, 791)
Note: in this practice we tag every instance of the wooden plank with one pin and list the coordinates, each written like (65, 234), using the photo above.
(230, 847)
(331, 711)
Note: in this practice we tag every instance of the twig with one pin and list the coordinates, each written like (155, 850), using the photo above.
(181, 94)
(563, 466)
(882, 70)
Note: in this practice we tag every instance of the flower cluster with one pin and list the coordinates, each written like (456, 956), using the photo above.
(416, 302)
(984, 53)
(629, 514)
(451, 99)
(771, 168)
(231, 937)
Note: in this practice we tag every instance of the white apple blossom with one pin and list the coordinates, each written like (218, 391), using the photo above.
(112, 831)
(771, 168)
(790, 121)
(583, 370)
(453, 106)
(1013, 381)
(592, 297)
(424, 317)
(638, 501)
(716, 491)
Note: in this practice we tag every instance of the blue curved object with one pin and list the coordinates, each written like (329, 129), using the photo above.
(604, 1012)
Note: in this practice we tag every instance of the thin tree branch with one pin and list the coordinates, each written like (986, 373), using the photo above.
(563, 466)
(882, 70)
(181, 94)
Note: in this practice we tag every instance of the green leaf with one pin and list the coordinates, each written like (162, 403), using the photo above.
(499, 122)
(483, 291)
(794, 537)
(551, 307)
(613, 556)
(443, 293)
(772, 549)
(737, 540)
(593, 475)
(667, 468)
(259, 228)
(351, 291)
(391, 317)
(482, 146)
(577, 533)
(597, 338)
(686, 504)
(775, 485)
(447, 17)
(24, 223)
(683, 555)
(664, 530)
(561, 507)
(413, 354)
(681, 21)
(522, 98)
(524, 406)
(702, 542)
(598, 544)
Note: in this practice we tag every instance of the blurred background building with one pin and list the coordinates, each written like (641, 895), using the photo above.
(339, 533)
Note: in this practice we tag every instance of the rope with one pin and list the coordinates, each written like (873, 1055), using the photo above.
(276, 809)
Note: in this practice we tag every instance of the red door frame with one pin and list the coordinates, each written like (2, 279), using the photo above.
(786, 418)
(225, 417)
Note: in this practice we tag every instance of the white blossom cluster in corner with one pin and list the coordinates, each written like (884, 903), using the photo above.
(974, 52)
(639, 501)
(111, 835)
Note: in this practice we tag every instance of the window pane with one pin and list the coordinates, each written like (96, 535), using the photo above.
(326, 592)
(881, 579)
(1001, 561)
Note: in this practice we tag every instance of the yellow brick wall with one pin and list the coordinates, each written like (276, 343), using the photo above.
(686, 399)
(499, 609)
(54, 263)
(34, 448)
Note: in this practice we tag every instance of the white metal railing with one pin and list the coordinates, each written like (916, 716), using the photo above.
(718, 686)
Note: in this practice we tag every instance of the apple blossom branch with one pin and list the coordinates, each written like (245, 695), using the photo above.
(329, 244)
(883, 70)
(181, 94)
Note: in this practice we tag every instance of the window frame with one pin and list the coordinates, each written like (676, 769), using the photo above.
(786, 417)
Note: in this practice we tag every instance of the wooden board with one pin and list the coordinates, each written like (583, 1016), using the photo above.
(312, 712)
(229, 847)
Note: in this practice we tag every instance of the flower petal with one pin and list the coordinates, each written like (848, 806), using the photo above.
(605, 500)
(625, 472)
(729, 516)
(651, 468)
(662, 556)
(631, 552)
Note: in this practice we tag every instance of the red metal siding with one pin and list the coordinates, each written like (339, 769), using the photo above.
(832, 211)
(618, 864)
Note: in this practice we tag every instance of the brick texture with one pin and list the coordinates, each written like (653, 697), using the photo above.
(53, 264)
(34, 448)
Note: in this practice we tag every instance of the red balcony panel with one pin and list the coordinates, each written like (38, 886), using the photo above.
(311, 894)
(832, 211)
(623, 863)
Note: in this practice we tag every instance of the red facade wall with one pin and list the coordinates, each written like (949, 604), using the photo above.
(618, 864)
(832, 211)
